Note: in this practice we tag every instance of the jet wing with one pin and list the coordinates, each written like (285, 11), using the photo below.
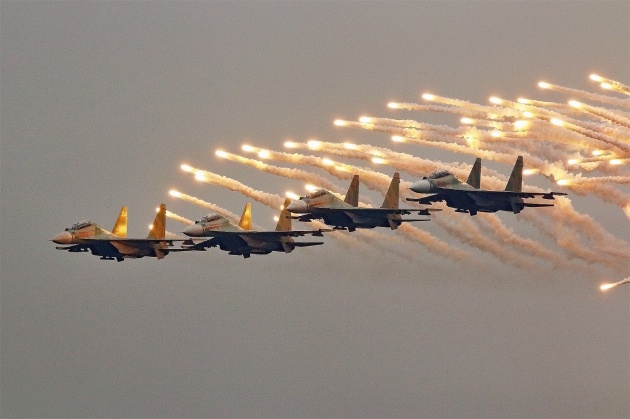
(367, 211)
(267, 235)
(201, 245)
(74, 248)
(135, 242)
(504, 194)
(427, 200)
(484, 194)
(375, 211)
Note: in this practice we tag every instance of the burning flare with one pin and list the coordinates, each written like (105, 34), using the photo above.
(608, 286)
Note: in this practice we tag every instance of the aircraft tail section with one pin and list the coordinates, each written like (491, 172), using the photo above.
(392, 196)
(515, 183)
(246, 218)
(120, 228)
(352, 196)
(158, 230)
(284, 220)
(474, 178)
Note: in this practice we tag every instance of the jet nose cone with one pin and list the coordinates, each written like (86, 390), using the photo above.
(421, 186)
(297, 206)
(193, 230)
(62, 238)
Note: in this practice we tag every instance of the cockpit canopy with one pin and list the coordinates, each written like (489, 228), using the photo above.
(439, 173)
(80, 225)
(209, 218)
(315, 194)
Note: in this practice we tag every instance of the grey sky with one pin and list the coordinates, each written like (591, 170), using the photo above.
(102, 101)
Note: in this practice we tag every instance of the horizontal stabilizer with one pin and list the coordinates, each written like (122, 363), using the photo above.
(427, 211)
(550, 195)
(77, 248)
(427, 200)
(306, 244)
(187, 249)
(529, 204)
(408, 220)
(289, 246)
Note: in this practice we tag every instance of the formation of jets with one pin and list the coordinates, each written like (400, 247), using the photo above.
(215, 230)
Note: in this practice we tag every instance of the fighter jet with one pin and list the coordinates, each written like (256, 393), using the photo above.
(242, 240)
(346, 214)
(468, 197)
(88, 236)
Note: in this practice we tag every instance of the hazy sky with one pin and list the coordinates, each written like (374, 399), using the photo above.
(102, 101)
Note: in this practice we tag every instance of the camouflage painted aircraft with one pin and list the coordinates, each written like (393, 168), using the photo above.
(242, 240)
(346, 214)
(468, 197)
(88, 236)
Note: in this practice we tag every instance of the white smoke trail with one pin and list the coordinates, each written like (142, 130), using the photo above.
(409, 123)
(604, 191)
(605, 287)
(413, 165)
(610, 143)
(235, 219)
(507, 236)
(425, 135)
(625, 103)
(544, 130)
(274, 201)
(437, 108)
(494, 112)
(554, 170)
(284, 171)
(179, 218)
(601, 112)
(466, 231)
(568, 224)
(433, 244)
(579, 180)
(609, 84)
(309, 177)
(347, 240)
(387, 244)
(170, 235)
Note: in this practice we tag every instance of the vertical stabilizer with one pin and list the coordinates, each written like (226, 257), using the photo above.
(391, 198)
(515, 183)
(284, 222)
(246, 218)
(352, 196)
(158, 229)
(120, 228)
(474, 178)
